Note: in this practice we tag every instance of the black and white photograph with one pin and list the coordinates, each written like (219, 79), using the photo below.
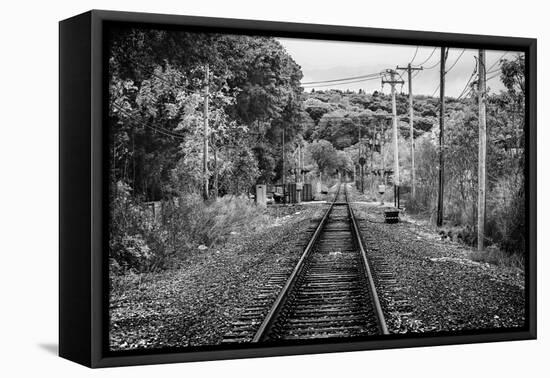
(279, 191)
(239, 189)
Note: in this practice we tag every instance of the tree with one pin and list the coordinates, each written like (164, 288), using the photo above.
(156, 81)
(344, 163)
(323, 153)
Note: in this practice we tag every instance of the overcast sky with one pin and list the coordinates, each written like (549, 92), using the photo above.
(328, 60)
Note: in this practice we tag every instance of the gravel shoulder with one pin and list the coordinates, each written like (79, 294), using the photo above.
(435, 285)
(195, 304)
(444, 288)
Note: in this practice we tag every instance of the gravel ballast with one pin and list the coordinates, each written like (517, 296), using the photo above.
(435, 285)
(444, 288)
(195, 304)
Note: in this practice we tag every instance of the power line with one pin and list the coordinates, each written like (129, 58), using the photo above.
(466, 91)
(492, 77)
(498, 60)
(435, 91)
(429, 57)
(435, 65)
(467, 85)
(474, 72)
(414, 56)
(456, 61)
(158, 129)
(343, 79)
(470, 92)
(343, 83)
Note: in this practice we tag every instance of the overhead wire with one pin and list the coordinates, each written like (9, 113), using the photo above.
(341, 83)
(427, 59)
(433, 66)
(414, 56)
(466, 92)
(439, 61)
(435, 91)
(492, 77)
(456, 61)
(155, 128)
(498, 60)
(342, 79)
(468, 82)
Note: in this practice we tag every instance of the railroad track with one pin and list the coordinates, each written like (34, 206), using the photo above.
(331, 291)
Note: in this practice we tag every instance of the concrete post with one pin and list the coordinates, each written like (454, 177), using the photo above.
(261, 197)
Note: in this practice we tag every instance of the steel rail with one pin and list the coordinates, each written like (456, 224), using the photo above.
(372, 288)
(262, 332)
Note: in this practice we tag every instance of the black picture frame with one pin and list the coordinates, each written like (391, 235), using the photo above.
(82, 203)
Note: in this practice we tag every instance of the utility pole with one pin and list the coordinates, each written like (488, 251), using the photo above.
(299, 178)
(205, 137)
(409, 69)
(441, 139)
(284, 170)
(303, 164)
(372, 147)
(392, 83)
(482, 98)
(383, 156)
(361, 162)
(300, 163)
(216, 174)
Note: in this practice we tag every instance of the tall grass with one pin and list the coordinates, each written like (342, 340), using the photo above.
(193, 221)
(141, 243)
(499, 257)
(505, 217)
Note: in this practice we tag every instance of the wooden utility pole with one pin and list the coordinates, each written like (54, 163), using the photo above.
(299, 178)
(303, 164)
(205, 137)
(361, 162)
(409, 69)
(216, 174)
(382, 144)
(482, 98)
(392, 82)
(284, 170)
(371, 174)
(441, 136)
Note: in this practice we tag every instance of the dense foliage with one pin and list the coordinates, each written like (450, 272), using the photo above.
(157, 82)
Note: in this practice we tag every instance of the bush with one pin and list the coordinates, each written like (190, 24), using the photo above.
(507, 214)
(140, 242)
(194, 222)
(128, 228)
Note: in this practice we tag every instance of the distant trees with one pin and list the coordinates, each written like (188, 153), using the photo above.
(323, 154)
(338, 118)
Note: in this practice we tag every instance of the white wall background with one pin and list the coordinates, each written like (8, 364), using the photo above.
(29, 187)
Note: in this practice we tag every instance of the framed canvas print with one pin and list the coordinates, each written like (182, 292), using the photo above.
(233, 188)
